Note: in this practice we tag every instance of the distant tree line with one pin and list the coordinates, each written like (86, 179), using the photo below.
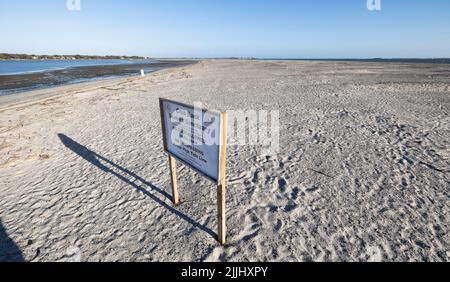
(5, 56)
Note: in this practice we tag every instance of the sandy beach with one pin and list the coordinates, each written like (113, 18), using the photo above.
(363, 171)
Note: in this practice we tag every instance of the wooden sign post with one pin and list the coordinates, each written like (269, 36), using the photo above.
(221, 203)
(198, 139)
(173, 177)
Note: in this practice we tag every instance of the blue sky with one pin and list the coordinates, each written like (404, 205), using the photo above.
(223, 28)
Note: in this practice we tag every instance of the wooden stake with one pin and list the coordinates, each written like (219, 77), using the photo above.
(222, 229)
(221, 200)
(173, 175)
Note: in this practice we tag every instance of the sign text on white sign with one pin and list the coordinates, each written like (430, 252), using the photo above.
(192, 136)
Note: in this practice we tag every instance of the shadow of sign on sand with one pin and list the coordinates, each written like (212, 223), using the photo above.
(127, 176)
(9, 251)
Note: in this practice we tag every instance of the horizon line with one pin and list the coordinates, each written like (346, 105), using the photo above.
(239, 57)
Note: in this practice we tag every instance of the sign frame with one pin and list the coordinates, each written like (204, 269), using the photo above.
(216, 113)
(221, 164)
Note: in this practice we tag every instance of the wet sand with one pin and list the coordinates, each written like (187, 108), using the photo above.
(363, 171)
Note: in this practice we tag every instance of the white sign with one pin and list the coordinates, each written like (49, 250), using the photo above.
(192, 135)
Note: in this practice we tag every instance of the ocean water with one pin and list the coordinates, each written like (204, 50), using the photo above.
(35, 66)
(21, 76)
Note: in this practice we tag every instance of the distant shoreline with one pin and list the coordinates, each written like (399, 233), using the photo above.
(31, 57)
(25, 57)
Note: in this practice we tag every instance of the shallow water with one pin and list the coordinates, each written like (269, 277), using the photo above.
(35, 66)
(43, 74)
